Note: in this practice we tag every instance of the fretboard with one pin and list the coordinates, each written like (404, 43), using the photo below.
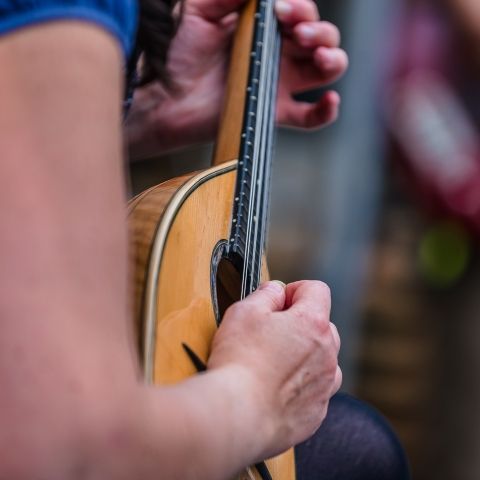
(251, 204)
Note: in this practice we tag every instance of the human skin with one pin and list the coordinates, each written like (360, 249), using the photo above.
(198, 59)
(469, 12)
(72, 405)
(467, 16)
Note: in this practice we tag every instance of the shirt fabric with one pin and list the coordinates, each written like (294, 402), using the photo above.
(118, 17)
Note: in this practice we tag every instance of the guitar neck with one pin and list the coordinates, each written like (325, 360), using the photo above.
(247, 134)
(227, 146)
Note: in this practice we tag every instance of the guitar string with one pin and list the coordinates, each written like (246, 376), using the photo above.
(261, 160)
(258, 215)
(259, 146)
(261, 186)
(269, 148)
(261, 206)
(259, 151)
(263, 18)
(269, 153)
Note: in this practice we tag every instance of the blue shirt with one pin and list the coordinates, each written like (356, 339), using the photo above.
(119, 17)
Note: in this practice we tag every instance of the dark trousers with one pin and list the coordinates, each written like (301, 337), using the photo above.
(354, 443)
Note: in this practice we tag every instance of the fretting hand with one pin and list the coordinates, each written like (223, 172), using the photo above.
(198, 62)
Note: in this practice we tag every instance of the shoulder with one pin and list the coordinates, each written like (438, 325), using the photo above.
(118, 17)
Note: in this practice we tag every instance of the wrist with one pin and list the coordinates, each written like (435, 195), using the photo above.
(253, 424)
(215, 423)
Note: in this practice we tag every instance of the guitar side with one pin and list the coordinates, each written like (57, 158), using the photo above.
(174, 229)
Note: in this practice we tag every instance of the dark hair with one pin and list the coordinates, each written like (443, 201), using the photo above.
(156, 28)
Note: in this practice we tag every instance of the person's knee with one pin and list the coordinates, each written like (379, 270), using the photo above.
(354, 442)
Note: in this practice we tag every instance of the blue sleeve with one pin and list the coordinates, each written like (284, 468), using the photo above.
(119, 17)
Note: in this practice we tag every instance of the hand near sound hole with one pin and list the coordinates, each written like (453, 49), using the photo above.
(282, 342)
(198, 60)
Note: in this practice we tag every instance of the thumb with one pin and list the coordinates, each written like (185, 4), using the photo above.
(270, 295)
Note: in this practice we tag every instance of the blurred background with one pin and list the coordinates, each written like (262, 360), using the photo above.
(385, 207)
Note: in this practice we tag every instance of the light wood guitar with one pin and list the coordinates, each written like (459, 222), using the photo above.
(197, 242)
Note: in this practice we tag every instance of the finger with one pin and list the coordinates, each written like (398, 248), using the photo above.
(290, 12)
(309, 115)
(303, 69)
(213, 10)
(308, 297)
(316, 34)
(269, 296)
(333, 61)
(337, 383)
(336, 336)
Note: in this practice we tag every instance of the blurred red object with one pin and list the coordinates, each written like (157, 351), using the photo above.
(437, 142)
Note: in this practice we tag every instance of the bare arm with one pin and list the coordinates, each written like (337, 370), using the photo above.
(64, 351)
(71, 403)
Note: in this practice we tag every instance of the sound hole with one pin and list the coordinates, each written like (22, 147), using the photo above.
(226, 280)
(229, 285)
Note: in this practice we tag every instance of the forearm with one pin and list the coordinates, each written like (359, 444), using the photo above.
(208, 427)
(205, 428)
(71, 402)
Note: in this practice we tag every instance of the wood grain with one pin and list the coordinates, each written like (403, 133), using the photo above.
(184, 302)
(227, 146)
(184, 310)
(144, 213)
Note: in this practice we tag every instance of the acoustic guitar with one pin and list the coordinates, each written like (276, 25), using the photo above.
(198, 241)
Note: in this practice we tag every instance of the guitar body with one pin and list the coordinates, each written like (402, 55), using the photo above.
(197, 242)
(176, 229)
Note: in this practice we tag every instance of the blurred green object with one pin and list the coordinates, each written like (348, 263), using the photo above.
(445, 253)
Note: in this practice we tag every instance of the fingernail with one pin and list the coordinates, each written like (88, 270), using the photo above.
(277, 285)
(306, 32)
(282, 8)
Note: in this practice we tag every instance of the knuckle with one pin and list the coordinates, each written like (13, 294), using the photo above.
(271, 296)
(330, 365)
(338, 379)
(320, 290)
(323, 288)
(321, 322)
(325, 295)
(336, 340)
(323, 411)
